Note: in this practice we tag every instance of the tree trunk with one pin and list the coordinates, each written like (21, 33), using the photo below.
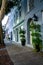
(2, 13)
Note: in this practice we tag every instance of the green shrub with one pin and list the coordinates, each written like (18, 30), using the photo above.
(22, 36)
(36, 36)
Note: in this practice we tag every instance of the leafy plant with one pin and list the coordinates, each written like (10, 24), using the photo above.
(32, 26)
(36, 36)
(22, 31)
(38, 28)
(22, 36)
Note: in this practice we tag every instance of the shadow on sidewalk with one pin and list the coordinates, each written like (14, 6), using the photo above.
(4, 57)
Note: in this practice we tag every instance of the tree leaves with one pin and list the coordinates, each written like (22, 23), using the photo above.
(11, 3)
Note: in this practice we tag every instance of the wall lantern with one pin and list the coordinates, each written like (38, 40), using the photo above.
(30, 19)
(35, 18)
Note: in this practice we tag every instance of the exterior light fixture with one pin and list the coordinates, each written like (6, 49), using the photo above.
(30, 19)
(35, 18)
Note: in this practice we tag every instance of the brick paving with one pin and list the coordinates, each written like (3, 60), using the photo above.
(4, 57)
(24, 55)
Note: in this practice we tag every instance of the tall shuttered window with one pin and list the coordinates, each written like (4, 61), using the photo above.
(30, 5)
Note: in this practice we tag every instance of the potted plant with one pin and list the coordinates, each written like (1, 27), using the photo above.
(22, 36)
(36, 36)
(36, 41)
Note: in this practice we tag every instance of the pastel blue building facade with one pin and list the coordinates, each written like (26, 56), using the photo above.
(21, 16)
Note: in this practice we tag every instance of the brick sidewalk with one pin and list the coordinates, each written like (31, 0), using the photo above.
(4, 57)
(24, 55)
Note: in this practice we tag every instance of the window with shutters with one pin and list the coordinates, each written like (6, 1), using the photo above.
(30, 5)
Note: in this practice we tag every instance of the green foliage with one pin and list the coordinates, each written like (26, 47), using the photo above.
(22, 31)
(36, 40)
(36, 36)
(16, 2)
(22, 36)
(37, 43)
(38, 28)
(10, 5)
(34, 26)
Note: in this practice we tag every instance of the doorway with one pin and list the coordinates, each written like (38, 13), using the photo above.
(29, 38)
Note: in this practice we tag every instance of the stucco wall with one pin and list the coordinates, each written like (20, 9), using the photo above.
(37, 10)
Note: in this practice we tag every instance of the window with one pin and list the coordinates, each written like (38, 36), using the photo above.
(20, 10)
(20, 13)
(27, 5)
(30, 4)
(16, 14)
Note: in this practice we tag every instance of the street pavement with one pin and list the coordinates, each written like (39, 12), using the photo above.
(23, 55)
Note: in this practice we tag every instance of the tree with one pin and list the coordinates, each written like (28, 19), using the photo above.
(2, 12)
(5, 6)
